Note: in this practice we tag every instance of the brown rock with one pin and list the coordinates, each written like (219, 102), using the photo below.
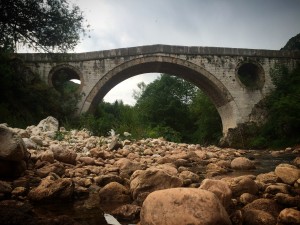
(183, 206)
(287, 173)
(267, 178)
(127, 212)
(258, 217)
(242, 184)
(219, 188)
(266, 205)
(289, 216)
(128, 166)
(242, 163)
(47, 156)
(56, 168)
(51, 189)
(151, 180)
(13, 154)
(247, 198)
(63, 155)
(114, 192)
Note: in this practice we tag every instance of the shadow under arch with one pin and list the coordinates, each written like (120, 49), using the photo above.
(189, 71)
(72, 73)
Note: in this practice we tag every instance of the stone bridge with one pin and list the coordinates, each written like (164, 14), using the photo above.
(234, 79)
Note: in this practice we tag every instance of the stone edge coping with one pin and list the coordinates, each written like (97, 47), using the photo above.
(156, 49)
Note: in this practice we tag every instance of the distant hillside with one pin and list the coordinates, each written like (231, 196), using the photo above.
(293, 43)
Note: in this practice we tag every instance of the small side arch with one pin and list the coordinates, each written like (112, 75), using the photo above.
(71, 71)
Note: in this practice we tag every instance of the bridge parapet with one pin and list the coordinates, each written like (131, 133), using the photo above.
(155, 49)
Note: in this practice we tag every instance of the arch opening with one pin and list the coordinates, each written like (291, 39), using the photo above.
(195, 74)
(65, 79)
(250, 75)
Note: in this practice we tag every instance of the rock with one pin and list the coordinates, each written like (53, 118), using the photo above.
(289, 216)
(247, 198)
(267, 178)
(29, 143)
(151, 180)
(242, 163)
(128, 166)
(277, 188)
(47, 156)
(219, 188)
(288, 200)
(19, 191)
(13, 154)
(242, 184)
(56, 168)
(258, 217)
(114, 192)
(127, 212)
(5, 188)
(87, 160)
(189, 177)
(37, 139)
(183, 206)
(51, 189)
(48, 126)
(266, 205)
(103, 180)
(287, 173)
(213, 169)
(63, 155)
(296, 162)
(114, 144)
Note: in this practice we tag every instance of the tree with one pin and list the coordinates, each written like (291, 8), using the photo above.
(163, 104)
(40, 24)
(206, 119)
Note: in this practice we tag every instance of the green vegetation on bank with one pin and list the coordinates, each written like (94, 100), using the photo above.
(168, 107)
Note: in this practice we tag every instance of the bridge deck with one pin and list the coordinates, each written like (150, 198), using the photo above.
(153, 49)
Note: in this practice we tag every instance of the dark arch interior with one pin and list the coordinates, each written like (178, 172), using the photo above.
(62, 77)
(210, 89)
(250, 75)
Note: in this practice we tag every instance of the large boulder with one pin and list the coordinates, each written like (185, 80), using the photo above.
(48, 126)
(13, 154)
(183, 206)
(143, 182)
(287, 173)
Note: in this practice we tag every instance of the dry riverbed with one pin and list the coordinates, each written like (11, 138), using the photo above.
(88, 180)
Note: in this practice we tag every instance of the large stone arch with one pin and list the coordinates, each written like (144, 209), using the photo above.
(189, 71)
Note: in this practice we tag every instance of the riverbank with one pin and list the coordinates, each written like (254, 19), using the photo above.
(54, 176)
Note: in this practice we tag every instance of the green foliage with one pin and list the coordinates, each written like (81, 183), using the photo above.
(207, 120)
(282, 127)
(168, 107)
(25, 99)
(43, 25)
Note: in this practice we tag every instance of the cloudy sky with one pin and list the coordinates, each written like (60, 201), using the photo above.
(258, 24)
